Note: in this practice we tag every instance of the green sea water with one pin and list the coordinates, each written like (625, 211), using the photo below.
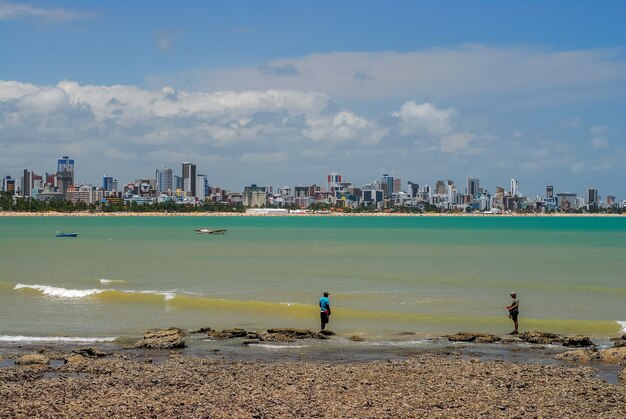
(386, 275)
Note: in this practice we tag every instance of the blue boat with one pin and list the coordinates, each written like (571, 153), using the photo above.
(61, 234)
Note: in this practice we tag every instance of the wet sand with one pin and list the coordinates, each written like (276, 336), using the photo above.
(139, 383)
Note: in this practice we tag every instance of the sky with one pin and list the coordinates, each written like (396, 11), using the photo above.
(285, 92)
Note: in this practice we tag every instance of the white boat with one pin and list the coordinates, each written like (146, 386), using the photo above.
(205, 230)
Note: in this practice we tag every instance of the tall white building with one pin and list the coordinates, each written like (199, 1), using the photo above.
(202, 187)
(514, 187)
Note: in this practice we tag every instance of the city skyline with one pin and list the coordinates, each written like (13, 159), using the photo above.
(281, 91)
(168, 182)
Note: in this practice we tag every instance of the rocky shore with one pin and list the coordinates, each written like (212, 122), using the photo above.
(141, 381)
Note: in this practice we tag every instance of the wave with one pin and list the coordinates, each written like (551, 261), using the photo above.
(10, 338)
(104, 294)
(58, 291)
(622, 324)
(112, 281)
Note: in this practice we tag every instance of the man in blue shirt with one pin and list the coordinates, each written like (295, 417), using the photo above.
(324, 309)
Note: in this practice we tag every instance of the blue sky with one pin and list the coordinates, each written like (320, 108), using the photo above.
(283, 92)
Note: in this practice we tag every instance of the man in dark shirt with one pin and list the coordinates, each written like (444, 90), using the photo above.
(514, 311)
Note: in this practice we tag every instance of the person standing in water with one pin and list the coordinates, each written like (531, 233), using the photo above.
(514, 311)
(324, 309)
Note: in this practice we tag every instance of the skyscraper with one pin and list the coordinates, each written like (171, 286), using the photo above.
(514, 187)
(334, 180)
(473, 186)
(165, 180)
(592, 196)
(27, 183)
(189, 178)
(107, 183)
(549, 191)
(65, 173)
(387, 184)
(65, 164)
(8, 185)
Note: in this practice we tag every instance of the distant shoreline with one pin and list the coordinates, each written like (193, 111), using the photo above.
(240, 214)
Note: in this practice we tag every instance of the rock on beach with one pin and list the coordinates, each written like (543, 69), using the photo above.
(474, 337)
(32, 359)
(171, 338)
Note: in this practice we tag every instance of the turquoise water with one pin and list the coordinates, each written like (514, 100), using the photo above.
(429, 275)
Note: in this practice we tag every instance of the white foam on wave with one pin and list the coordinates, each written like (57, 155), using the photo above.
(270, 346)
(111, 281)
(60, 292)
(10, 338)
(622, 324)
(167, 295)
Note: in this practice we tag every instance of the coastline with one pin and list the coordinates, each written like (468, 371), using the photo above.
(239, 214)
(511, 382)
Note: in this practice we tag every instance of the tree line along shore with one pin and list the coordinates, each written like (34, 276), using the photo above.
(26, 205)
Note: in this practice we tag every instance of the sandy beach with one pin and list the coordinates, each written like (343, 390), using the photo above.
(312, 214)
(170, 384)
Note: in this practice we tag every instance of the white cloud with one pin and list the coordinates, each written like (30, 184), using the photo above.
(17, 11)
(424, 118)
(264, 158)
(237, 136)
(456, 142)
(598, 129)
(474, 72)
(599, 142)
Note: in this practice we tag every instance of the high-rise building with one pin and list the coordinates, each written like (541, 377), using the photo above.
(592, 196)
(165, 180)
(65, 173)
(397, 185)
(387, 185)
(254, 196)
(414, 189)
(473, 187)
(189, 178)
(8, 185)
(202, 187)
(549, 191)
(27, 183)
(334, 180)
(514, 187)
(65, 164)
(108, 183)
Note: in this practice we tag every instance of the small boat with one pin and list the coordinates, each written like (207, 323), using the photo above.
(205, 230)
(66, 234)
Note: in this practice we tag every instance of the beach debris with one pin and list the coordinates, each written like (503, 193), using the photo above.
(475, 337)
(32, 359)
(356, 338)
(170, 338)
(90, 352)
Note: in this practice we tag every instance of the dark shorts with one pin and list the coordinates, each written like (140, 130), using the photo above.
(514, 314)
(324, 317)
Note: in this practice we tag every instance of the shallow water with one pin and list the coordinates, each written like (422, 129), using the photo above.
(429, 275)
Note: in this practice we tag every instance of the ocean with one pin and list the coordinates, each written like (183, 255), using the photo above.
(386, 275)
